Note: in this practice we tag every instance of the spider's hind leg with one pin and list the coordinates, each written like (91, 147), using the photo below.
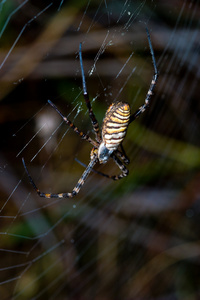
(152, 84)
(94, 121)
(71, 125)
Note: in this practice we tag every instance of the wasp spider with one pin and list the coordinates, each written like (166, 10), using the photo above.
(108, 143)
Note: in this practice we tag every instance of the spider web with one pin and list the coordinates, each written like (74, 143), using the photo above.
(113, 239)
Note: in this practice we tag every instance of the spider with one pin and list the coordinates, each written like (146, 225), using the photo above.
(108, 143)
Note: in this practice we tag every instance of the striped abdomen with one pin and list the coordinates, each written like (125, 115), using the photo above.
(115, 125)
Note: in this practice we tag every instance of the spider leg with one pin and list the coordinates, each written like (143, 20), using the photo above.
(93, 170)
(122, 155)
(87, 100)
(152, 85)
(75, 190)
(122, 167)
(71, 125)
(115, 177)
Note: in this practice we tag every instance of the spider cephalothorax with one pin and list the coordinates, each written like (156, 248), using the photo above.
(108, 143)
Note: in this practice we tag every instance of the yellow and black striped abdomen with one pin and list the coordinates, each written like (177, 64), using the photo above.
(115, 125)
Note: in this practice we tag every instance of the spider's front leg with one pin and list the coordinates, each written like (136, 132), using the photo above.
(120, 165)
(122, 154)
(77, 187)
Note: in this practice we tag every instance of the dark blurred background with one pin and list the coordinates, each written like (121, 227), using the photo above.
(137, 238)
